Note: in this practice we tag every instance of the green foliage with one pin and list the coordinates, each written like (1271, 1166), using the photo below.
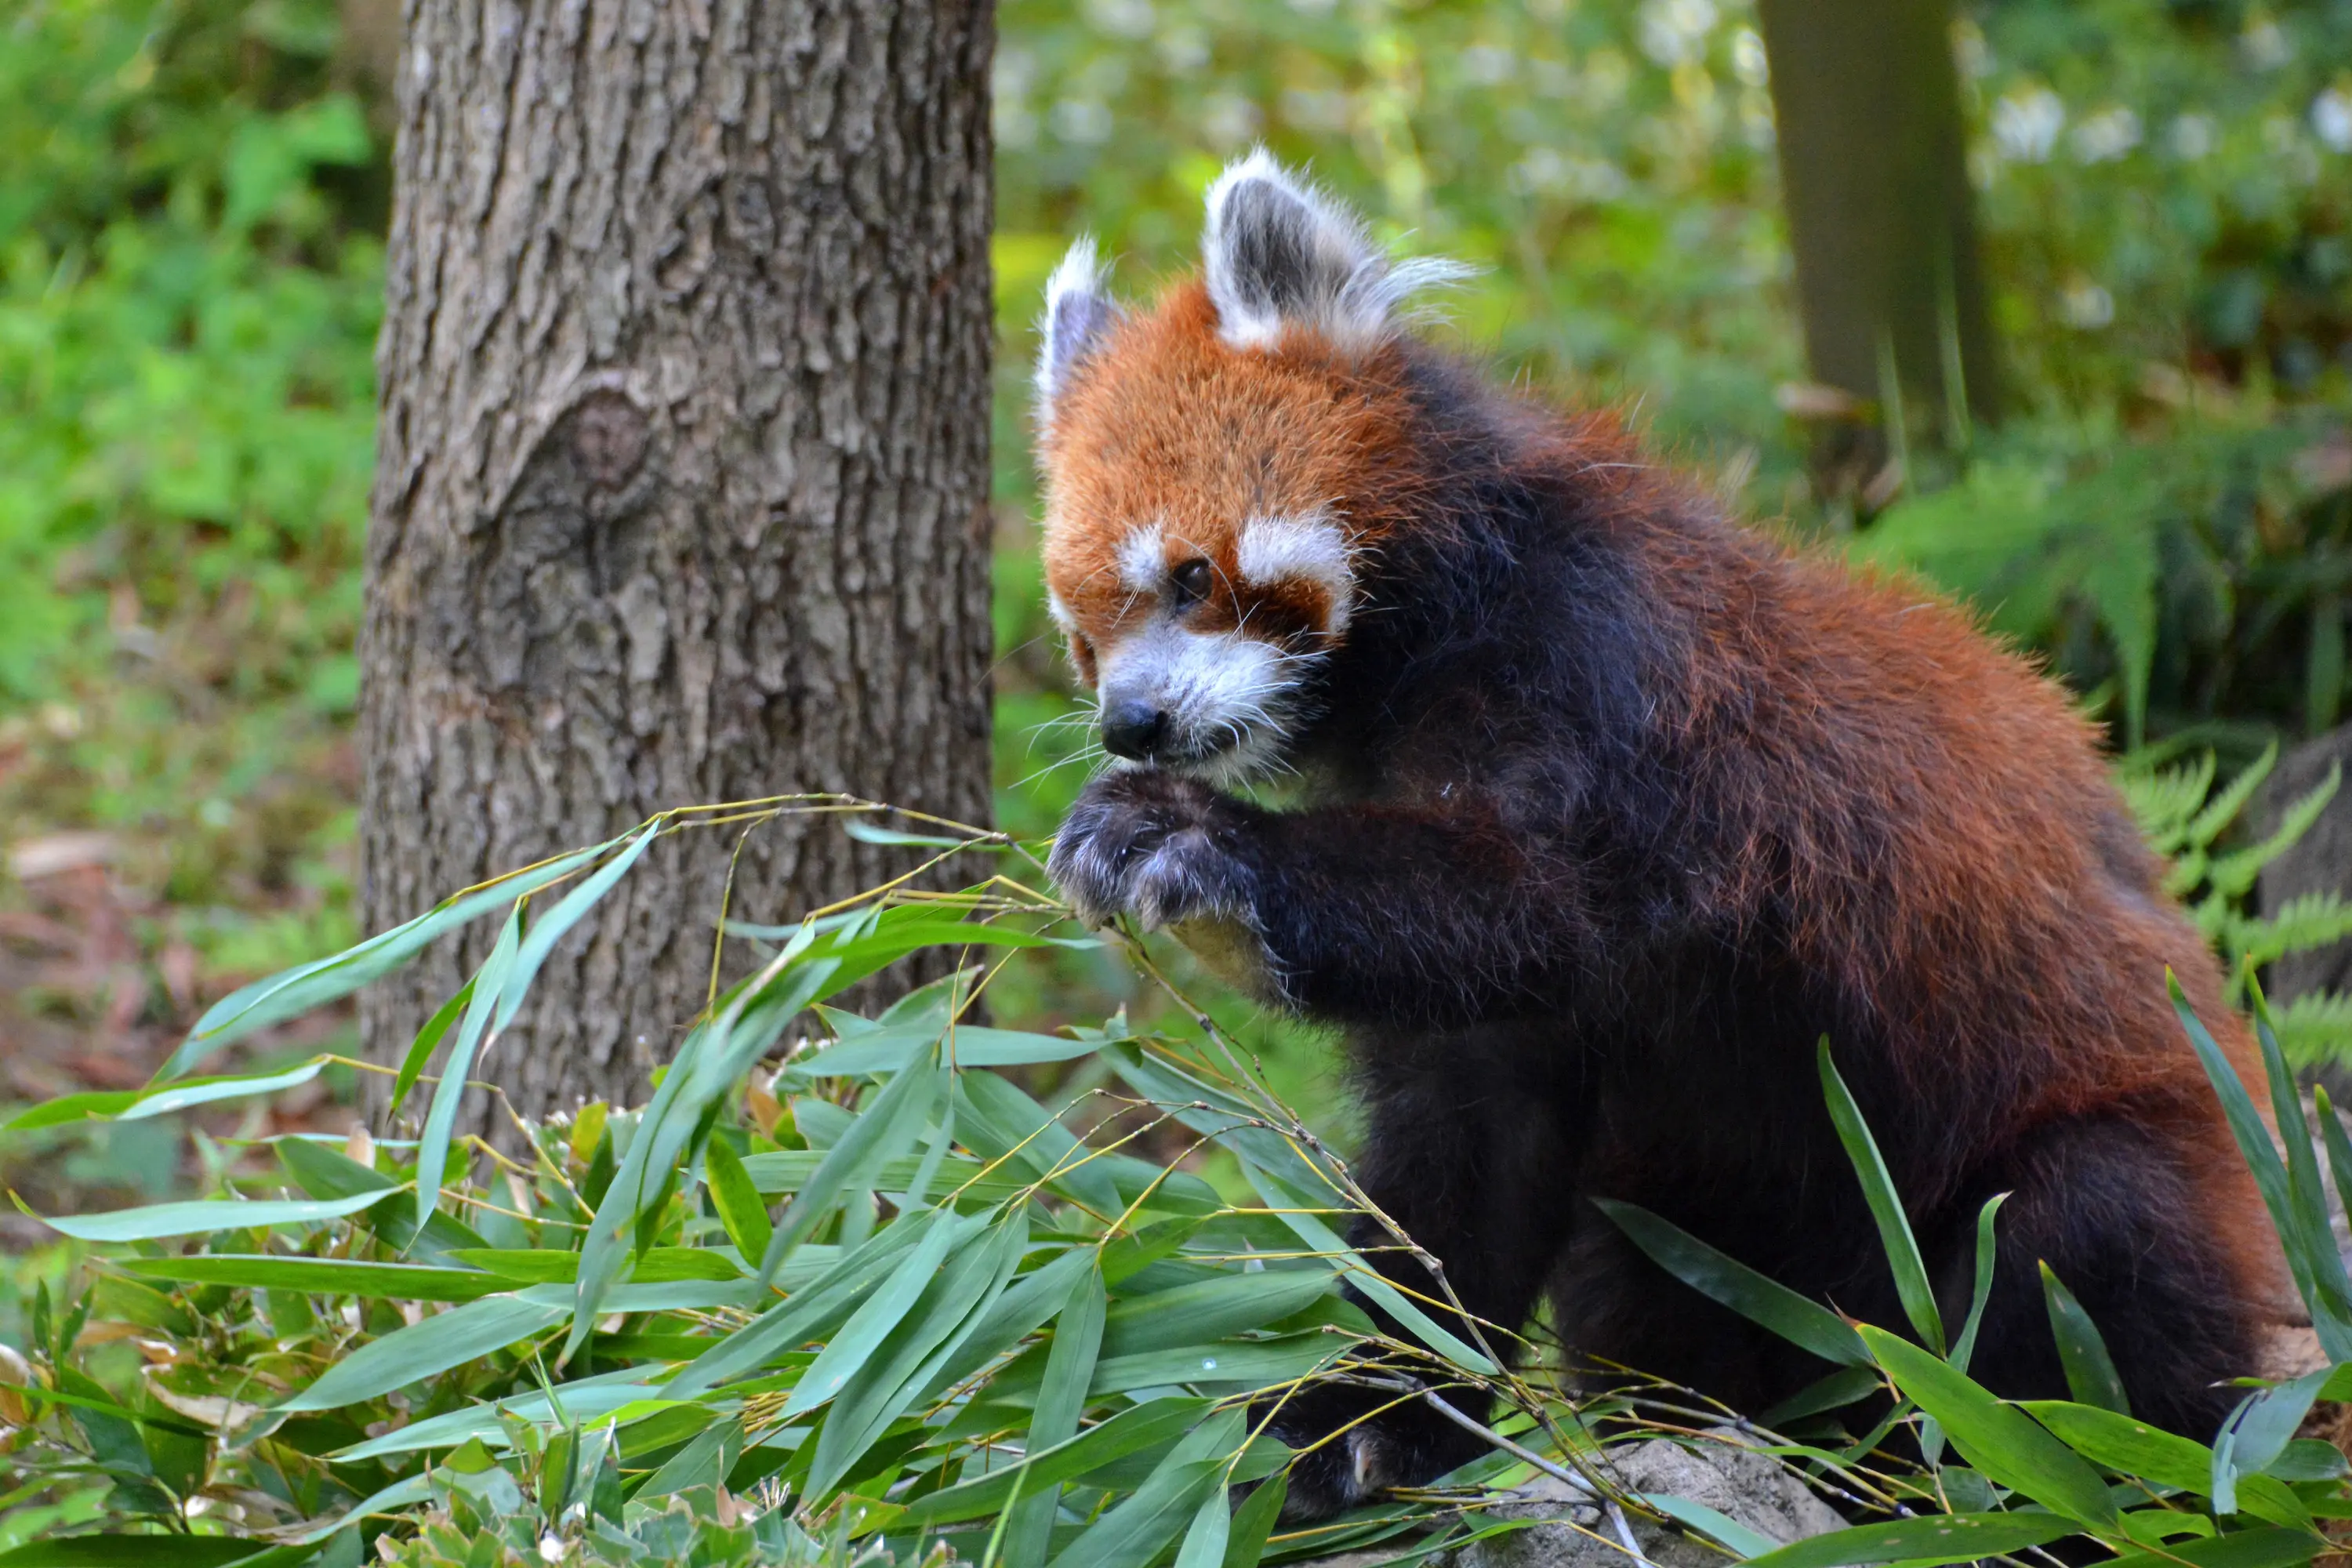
(880, 1298)
(2256, 1495)
(2189, 821)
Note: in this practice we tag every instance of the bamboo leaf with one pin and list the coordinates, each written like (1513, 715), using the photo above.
(2091, 1374)
(1131, 1431)
(1885, 1206)
(428, 1039)
(206, 1091)
(741, 1209)
(882, 1130)
(883, 1383)
(1740, 1538)
(1724, 1280)
(546, 932)
(1254, 1521)
(892, 1050)
(1138, 1529)
(441, 1116)
(439, 1342)
(1211, 1530)
(1988, 1255)
(809, 1314)
(882, 1311)
(299, 989)
(2128, 1447)
(1061, 1400)
(205, 1216)
(318, 1276)
(1935, 1538)
(1996, 1438)
(2270, 1174)
(2269, 1547)
(1211, 1309)
(1319, 1238)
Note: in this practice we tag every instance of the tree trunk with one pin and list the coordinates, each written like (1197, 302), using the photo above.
(682, 478)
(1874, 165)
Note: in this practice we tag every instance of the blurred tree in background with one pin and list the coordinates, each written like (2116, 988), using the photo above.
(190, 270)
(1867, 110)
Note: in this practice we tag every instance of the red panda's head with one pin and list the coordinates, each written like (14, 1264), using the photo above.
(1220, 467)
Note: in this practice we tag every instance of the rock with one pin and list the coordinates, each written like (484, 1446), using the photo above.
(2320, 861)
(1719, 1472)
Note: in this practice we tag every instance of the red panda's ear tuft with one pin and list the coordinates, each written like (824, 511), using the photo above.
(1278, 253)
(1077, 313)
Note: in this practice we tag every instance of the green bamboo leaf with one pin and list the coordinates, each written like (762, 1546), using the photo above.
(886, 1383)
(1929, 1541)
(1294, 1208)
(151, 1552)
(308, 985)
(205, 1216)
(741, 1209)
(547, 1266)
(441, 1117)
(882, 1130)
(205, 1091)
(809, 1314)
(1027, 1304)
(1724, 1280)
(584, 1400)
(428, 1039)
(1131, 1431)
(1211, 1532)
(2339, 1147)
(1885, 1206)
(546, 932)
(2324, 1262)
(1996, 1438)
(1061, 1401)
(2091, 1373)
(1722, 1527)
(1211, 1309)
(1144, 1525)
(2258, 1431)
(2128, 1447)
(441, 1341)
(1001, 1122)
(713, 1057)
(974, 1047)
(1838, 1390)
(318, 1276)
(1255, 1362)
(2270, 1547)
(65, 1109)
(405, 1492)
(1988, 1255)
(326, 1173)
(2270, 1174)
(1254, 1521)
(881, 1311)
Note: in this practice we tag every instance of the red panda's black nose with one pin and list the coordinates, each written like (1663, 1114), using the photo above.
(1131, 728)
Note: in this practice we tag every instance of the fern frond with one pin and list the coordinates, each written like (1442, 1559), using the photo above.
(2316, 1029)
(2233, 875)
(2224, 808)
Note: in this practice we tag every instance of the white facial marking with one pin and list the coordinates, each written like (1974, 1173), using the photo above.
(1060, 612)
(1143, 559)
(1228, 699)
(1310, 548)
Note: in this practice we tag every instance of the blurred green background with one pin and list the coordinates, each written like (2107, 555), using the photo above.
(191, 199)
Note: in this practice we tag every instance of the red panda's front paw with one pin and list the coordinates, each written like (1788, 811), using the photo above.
(1150, 844)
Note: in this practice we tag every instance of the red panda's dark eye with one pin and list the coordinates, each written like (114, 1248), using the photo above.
(1191, 580)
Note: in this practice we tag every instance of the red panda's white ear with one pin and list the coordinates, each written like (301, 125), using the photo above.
(1077, 313)
(1279, 253)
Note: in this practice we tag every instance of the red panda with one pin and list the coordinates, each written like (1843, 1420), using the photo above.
(1610, 809)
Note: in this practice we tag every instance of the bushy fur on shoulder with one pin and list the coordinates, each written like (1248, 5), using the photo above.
(1614, 808)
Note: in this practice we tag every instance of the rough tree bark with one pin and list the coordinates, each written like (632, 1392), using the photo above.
(1867, 103)
(682, 476)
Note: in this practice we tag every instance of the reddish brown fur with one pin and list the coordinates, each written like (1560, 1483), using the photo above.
(1849, 771)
